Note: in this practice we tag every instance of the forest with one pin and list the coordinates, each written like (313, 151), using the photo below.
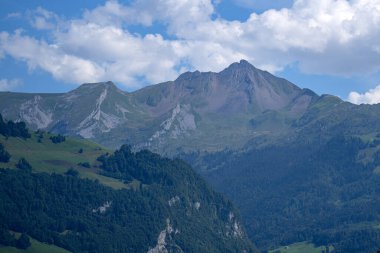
(82, 215)
(326, 193)
(13, 129)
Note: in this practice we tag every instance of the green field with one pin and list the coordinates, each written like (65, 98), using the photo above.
(35, 247)
(301, 247)
(45, 156)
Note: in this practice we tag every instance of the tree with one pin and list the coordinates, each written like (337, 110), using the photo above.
(3, 126)
(72, 172)
(4, 155)
(57, 139)
(85, 164)
(13, 129)
(23, 242)
(23, 164)
(6, 238)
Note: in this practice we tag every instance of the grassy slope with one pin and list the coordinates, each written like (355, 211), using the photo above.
(46, 156)
(35, 247)
(301, 247)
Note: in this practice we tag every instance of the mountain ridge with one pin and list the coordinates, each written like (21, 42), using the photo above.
(166, 117)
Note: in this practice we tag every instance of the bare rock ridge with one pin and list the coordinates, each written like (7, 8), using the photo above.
(240, 86)
(197, 111)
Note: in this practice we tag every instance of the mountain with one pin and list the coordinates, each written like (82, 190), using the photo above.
(90, 110)
(317, 183)
(321, 191)
(196, 112)
(71, 195)
(302, 168)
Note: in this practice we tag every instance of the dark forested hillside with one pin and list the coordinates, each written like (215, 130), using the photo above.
(83, 216)
(162, 207)
(327, 193)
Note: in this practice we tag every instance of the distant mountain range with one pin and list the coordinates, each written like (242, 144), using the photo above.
(198, 111)
(300, 166)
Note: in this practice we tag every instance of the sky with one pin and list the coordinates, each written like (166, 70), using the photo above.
(329, 46)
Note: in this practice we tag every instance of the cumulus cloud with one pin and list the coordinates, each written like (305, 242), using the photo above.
(8, 85)
(49, 57)
(370, 97)
(336, 37)
(173, 13)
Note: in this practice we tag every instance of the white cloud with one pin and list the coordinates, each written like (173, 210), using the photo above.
(49, 57)
(8, 85)
(263, 5)
(370, 97)
(15, 15)
(336, 37)
(174, 13)
(43, 19)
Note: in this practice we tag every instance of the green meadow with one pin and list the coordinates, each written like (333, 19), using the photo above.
(49, 157)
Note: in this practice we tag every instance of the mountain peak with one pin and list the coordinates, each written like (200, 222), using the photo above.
(188, 75)
(96, 85)
(242, 65)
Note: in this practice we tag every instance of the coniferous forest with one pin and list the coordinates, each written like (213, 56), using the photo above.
(160, 196)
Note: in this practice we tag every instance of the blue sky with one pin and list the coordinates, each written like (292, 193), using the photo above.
(329, 46)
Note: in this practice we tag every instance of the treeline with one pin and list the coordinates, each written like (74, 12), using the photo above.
(9, 239)
(13, 129)
(144, 166)
(364, 239)
(57, 138)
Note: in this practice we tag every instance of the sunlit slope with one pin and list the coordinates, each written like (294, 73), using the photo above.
(46, 156)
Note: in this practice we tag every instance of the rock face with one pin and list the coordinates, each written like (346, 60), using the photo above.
(163, 239)
(196, 112)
